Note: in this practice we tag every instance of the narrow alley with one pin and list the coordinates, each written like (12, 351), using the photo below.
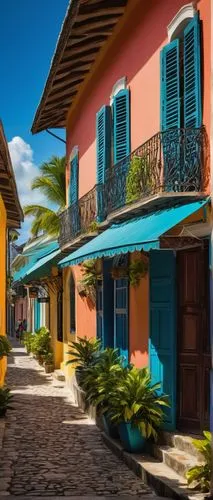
(50, 448)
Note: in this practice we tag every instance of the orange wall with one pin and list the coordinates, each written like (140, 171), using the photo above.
(136, 55)
(139, 319)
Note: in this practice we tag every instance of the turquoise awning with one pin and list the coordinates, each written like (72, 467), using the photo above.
(34, 257)
(43, 266)
(135, 234)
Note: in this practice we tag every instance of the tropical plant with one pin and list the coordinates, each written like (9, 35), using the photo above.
(49, 358)
(5, 346)
(199, 476)
(41, 342)
(5, 399)
(137, 269)
(139, 179)
(100, 378)
(83, 351)
(28, 341)
(136, 401)
(90, 274)
(52, 184)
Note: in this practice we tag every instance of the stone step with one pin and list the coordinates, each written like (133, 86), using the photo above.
(182, 442)
(165, 481)
(59, 375)
(178, 460)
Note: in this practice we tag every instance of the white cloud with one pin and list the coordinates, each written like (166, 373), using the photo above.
(25, 170)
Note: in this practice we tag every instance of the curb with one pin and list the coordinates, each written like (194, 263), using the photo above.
(157, 475)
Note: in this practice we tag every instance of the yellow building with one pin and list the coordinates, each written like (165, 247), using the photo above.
(10, 217)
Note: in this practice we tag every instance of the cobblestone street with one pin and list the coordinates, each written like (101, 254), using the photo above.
(50, 448)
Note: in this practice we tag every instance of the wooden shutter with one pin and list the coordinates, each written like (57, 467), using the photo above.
(73, 184)
(121, 125)
(103, 138)
(192, 76)
(170, 86)
(162, 341)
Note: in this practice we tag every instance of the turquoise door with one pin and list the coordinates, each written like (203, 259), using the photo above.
(162, 341)
(36, 314)
(121, 317)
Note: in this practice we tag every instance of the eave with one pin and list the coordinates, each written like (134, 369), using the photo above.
(86, 29)
(8, 188)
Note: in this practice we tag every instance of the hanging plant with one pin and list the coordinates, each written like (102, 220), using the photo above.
(137, 270)
(87, 285)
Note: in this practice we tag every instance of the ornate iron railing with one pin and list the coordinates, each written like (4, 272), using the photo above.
(78, 218)
(171, 161)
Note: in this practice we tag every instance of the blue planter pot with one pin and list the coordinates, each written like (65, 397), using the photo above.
(131, 438)
(110, 428)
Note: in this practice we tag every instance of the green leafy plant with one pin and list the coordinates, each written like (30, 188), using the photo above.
(83, 351)
(41, 343)
(137, 270)
(49, 358)
(139, 178)
(5, 399)
(136, 401)
(93, 227)
(5, 346)
(100, 378)
(199, 477)
(28, 341)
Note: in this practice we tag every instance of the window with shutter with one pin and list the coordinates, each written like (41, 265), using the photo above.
(73, 184)
(103, 138)
(192, 76)
(121, 125)
(170, 86)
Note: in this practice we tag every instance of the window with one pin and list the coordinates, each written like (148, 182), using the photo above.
(72, 304)
(181, 78)
(60, 316)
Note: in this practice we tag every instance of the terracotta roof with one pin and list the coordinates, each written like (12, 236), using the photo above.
(87, 26)
(8, 188)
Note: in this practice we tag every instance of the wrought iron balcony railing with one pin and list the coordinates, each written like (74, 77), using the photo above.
(78, 218)
(173, 161)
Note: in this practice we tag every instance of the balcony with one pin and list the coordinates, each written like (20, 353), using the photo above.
(170, 167)
(79, 220)
(172, 164)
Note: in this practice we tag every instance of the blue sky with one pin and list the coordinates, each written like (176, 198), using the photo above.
(28, 35)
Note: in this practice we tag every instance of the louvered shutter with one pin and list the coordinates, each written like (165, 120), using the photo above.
(170, 86)
(192, 76)
(73, 184)
(121, 125)
(103, 138)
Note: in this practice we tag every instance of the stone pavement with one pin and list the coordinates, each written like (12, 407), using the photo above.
(50, 448)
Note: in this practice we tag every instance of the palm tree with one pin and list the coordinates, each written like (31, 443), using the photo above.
(52, 184)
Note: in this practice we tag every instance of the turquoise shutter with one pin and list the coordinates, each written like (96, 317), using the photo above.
(170, 86)
(121, 330)
(162, 341)
(103, 138)
(192, 76)
(73, 184)
(108, 301)
(99, 311)
(121, 125)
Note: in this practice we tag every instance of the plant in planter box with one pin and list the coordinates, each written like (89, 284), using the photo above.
(5, 399)
(49, 362)
(199, 477)
(83, 352)
(41, 344)
(137, 408)
(5, 346)
(98, 382)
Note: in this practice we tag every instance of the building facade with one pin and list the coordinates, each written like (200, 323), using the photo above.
(134, 96)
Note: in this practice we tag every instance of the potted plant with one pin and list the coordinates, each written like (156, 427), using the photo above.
(98, 382)
(49, 362)
(28, 341)
(199, 476)
(41, 344)
(5, 346)
(5, 399)
(83, 353)
(136, 407)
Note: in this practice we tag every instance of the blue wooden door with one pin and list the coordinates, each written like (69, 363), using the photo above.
(36, 314)
(162, 341)
(121, 317)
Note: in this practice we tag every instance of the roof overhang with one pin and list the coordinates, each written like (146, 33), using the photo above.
(87, 27)
(8, 188)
